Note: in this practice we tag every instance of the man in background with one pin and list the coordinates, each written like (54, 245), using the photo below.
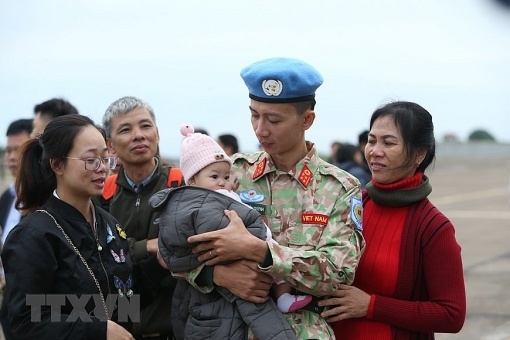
(334, 148)
(228, 143)
(362, 142)
(18, 133)
(48, 110)
(132, 135)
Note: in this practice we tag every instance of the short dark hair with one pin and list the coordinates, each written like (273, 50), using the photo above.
(302, 107)
(19, 126)
(415, 126)
(54, 108)
(346, 153)
(363, 137)
(230, 140)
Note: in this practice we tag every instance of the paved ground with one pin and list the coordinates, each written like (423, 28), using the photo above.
(474, 194)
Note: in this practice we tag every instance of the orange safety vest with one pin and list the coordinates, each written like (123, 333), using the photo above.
(110, 187)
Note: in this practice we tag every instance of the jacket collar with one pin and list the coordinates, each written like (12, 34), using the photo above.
(303, 171)
(124, 181)
(64, 209)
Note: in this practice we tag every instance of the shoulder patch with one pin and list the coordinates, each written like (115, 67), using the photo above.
(259, 169)
(251, 196)
(342, 176)
(357, 212)
(305, 176)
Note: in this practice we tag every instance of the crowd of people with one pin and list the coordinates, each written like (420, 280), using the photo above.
(275, 244)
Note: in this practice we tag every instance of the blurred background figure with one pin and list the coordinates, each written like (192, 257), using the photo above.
(229, 144)
(349, 159)
(48, 110)
(18, 133)
(362, 142)
(334, 147)
(202, 131)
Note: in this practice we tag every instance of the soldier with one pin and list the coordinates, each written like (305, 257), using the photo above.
(312, 207)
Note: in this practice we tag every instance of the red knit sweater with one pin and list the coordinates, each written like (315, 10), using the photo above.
(412, 268)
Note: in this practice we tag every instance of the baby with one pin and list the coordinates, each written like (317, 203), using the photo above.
(201, 170)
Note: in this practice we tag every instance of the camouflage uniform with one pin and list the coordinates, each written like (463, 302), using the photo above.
(314, 212)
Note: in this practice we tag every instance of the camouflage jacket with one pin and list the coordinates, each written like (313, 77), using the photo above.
(314, 212)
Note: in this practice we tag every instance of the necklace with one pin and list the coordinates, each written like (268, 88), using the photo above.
(82, 260)
(94, 228)
(95, 235)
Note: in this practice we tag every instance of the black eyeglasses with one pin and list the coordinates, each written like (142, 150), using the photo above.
(93, 163)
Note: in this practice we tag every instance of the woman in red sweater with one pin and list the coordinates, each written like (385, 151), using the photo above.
(409, 283)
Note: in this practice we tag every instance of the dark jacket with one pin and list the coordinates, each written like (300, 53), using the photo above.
(38, 259)
(5, 206)
(219, 314)
(141, 223)
(357, 171)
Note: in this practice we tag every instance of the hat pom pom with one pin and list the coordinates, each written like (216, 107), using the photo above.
(187, 130)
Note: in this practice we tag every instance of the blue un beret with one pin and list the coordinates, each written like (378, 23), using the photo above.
(281, 80)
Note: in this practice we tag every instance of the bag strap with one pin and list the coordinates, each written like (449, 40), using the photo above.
(82, 260)
(110, 186)
(174, 178)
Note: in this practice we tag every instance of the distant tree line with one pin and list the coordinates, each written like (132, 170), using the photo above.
(481, 136)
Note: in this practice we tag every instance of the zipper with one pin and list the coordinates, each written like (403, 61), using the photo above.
(137, 203)
(100, 248)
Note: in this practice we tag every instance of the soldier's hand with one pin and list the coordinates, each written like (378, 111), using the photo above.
(231, 243)
(243, 279)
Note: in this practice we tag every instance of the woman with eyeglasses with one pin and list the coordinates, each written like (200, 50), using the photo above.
(67, 264)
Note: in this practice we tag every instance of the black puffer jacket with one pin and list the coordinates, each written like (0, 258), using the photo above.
(220, 314)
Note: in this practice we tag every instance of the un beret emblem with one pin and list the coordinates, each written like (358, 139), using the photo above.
(272, 87)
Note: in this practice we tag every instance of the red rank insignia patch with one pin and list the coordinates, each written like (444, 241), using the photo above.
(305, 176)
(314, 219)
(260, 168)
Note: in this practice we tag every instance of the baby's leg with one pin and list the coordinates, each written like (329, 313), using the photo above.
(287, 302)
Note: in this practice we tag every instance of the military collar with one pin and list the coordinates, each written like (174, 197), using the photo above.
(303, 171)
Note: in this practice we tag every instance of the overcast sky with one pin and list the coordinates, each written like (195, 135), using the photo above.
(184, 58)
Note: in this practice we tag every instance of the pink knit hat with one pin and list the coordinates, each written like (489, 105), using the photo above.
(198, 151)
